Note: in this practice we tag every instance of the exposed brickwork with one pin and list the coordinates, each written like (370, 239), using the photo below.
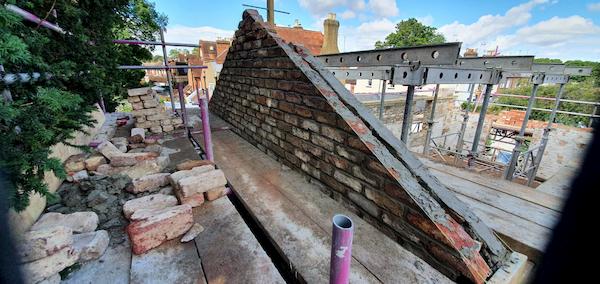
(276, 100)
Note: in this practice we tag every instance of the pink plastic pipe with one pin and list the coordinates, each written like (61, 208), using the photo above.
(203, 102)
(341, 249)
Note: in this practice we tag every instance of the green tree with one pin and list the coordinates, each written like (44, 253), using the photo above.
(173, 53)
(34, 116)
(411, 33)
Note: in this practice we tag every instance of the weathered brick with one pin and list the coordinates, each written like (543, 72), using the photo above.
(323, 142)
(347, 180)
(364, 203)
(333, 133)
(300, 133)
(385, 202)
(310, 125)
(165, 224)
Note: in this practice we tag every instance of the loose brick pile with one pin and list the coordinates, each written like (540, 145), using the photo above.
(158, 217)
(274, 96)
(148, 112)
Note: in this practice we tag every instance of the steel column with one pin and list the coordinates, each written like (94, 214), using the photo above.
(463, 126)
(481, 120)
(545, 136)
(182, 104)
(430, 121)
(165, 61)
(341, 249)
(407, 119)
(382, 102)
(510, 170)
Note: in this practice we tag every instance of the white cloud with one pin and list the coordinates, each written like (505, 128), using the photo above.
(550, 33)
(384, 8)
(426, 20)
(489, 25)
(318, 8)
(348, 14)
(365, 35)
(594, 7)
(185, 34)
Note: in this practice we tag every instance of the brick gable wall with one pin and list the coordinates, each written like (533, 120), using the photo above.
(277, 97)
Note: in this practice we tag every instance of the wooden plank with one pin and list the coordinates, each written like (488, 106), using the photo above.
(521, 235)
(532, 195)
(171, 262)
(297, 215)
(112, 267)
(559, 184)
(530, 211)
(229, 251)
(513, 272)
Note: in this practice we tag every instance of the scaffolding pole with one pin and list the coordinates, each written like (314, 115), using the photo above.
(407, 118)
(463, 126)
(520, 139)
(545, 136)
(481, 120)
(430, 122)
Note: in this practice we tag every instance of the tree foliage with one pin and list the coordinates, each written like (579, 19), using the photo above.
(411, 33)
(35, 116)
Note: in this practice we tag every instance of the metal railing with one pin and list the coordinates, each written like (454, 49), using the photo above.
(526, 162)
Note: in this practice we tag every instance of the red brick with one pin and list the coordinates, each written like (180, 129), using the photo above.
(164, 225)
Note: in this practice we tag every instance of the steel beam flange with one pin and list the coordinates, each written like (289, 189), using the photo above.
(448, 75)
(513, 63)
(548, 68)
(440, 54)
(408, 75)
(579, 71)
(380, 73)
(556, 79)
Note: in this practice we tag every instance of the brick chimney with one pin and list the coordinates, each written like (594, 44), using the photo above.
(331, 26)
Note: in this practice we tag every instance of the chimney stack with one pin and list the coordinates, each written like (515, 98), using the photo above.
(271, 12)
(331, 26)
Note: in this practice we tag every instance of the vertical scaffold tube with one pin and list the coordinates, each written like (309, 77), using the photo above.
(341, 249)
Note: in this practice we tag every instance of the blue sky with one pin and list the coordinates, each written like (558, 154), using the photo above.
(545, 28)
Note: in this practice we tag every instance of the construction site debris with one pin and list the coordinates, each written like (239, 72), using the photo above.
(165, 224)
(194, 231)
(149, 113)
(150, 202)
(41, 243)
(190, 164)
(90, 245)
(37, 271)
(79, 222)
(137, 135)
(149, 183)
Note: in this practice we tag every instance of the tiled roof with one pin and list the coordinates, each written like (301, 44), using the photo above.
(313, 40)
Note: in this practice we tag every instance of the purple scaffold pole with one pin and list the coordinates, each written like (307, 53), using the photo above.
(203, 102)
(341, 249)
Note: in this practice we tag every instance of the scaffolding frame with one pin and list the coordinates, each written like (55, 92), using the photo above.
(441, 64)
